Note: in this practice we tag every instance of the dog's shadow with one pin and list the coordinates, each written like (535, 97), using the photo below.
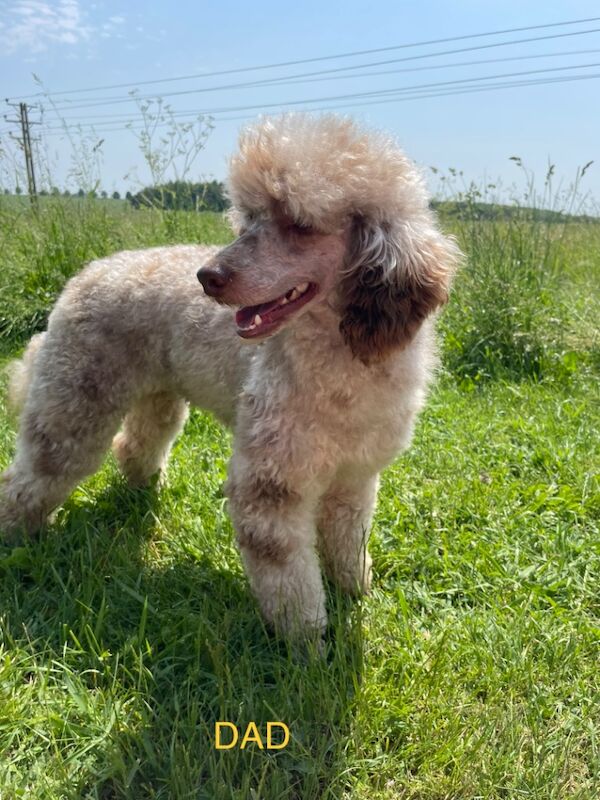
(183, 646)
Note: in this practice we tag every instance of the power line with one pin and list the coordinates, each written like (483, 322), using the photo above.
(318, 58)
(396, 90)
(118, 100)
(389, 99)
(449, 93)
(447, 65)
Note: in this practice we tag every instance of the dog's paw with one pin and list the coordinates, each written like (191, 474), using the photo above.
(13, 530)
(20, 517)
(354, 580)
(140, 469)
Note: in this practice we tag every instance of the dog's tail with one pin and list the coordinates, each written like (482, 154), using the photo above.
(20, 373)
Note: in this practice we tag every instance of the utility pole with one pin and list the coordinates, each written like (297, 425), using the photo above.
(25, 144)
(26, 139)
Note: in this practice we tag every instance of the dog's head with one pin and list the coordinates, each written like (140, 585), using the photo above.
(328, 213)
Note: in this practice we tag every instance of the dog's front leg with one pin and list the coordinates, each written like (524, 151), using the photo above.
(275, 528)
(344, 523)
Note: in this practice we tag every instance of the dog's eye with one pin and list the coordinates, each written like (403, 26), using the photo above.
(302, 230)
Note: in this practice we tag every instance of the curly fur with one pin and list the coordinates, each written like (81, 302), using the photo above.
(319, 408)
(19, 375)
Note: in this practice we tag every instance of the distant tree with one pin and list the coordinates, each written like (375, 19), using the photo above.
(43, 192)
(103, 194)
(129, 197)
(81, 193)
(180, 195)
(55, 191)
(66, 193)
(18, 190)
(7, 191)
(211, 197)
(116, 196)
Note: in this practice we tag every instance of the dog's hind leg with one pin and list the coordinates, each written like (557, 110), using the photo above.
(59, 444)
(149, 430)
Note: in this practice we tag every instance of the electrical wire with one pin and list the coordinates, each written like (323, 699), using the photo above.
(283, 82)
(383, 92)
(131, 98)
(395, 99)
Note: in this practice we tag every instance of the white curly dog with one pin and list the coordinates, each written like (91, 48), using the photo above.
(336, 270)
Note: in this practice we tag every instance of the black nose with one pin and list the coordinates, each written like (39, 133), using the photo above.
(214, 279)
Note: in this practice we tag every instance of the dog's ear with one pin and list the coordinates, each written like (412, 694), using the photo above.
(395, 276)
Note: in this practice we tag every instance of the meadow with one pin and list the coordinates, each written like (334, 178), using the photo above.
(471, 670)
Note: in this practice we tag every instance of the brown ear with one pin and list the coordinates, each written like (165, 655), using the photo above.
(394, 278)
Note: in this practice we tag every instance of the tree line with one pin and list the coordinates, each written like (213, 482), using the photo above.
(182, 196)
(171, 196)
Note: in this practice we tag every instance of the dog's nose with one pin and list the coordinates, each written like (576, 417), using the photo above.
(214, 279)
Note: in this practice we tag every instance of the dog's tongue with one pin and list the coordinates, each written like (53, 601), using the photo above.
(245, 315)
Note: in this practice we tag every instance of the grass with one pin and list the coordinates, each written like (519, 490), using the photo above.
(472, 669)
(39, 252)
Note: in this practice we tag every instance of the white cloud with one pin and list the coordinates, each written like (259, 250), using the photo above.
(32, 26)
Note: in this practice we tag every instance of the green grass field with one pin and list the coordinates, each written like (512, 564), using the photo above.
(471, 671)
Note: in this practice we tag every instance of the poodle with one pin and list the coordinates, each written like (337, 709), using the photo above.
(335, 273)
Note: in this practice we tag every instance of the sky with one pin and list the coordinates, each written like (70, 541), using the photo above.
(53, 52)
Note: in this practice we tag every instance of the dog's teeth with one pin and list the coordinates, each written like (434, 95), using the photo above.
(257, 320)
(283, 301)
(302, 288)
(295, 295)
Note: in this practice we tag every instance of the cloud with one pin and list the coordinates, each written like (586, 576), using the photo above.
(32, 26)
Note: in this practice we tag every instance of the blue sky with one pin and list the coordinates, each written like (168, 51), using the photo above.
(74, 45)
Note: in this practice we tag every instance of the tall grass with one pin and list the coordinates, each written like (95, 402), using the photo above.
(42, 249)
(44, 245)
(509, 317)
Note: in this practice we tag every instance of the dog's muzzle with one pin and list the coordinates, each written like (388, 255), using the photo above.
(214, 279)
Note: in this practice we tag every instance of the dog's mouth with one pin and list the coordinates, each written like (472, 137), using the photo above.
(265, 318)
